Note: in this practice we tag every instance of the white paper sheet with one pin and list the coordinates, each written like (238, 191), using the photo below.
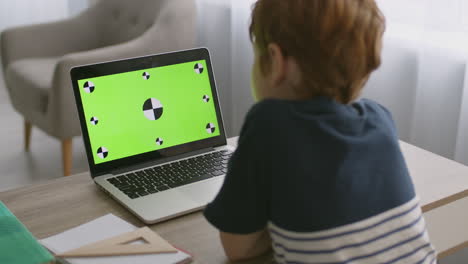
(102, 228)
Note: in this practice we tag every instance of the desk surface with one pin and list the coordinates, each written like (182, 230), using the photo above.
(50, 208)
(438, 180)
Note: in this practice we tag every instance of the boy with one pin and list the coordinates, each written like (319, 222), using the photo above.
(318, 176)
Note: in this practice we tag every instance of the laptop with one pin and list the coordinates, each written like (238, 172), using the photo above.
(153, 131)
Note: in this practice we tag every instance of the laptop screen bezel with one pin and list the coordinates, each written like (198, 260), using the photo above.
(136, 64)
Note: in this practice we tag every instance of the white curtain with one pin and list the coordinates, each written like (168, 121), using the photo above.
(214, 32)
(223, 28)
(423, 79)
(242, 60)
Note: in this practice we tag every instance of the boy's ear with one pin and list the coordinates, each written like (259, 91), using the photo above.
(278, 63)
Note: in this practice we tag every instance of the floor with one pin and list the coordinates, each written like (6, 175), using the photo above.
(43, 162)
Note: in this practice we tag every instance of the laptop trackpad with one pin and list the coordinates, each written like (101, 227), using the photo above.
(202, 192)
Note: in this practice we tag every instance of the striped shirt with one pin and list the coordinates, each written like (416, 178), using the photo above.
(396, 236)
(328, 181)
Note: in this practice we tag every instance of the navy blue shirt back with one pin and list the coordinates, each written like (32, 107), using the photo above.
(311, 165)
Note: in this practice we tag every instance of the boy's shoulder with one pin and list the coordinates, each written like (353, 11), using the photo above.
(272, 118)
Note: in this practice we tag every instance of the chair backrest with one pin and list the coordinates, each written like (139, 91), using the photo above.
(119, 21)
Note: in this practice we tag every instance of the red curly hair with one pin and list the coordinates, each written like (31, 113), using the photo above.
(336, 43)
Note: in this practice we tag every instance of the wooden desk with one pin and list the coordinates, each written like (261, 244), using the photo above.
(442, 186)
(50, 208)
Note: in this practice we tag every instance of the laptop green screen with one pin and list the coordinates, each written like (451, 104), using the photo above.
(141, 111)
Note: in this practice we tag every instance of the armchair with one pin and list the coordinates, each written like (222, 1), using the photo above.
(36, 59)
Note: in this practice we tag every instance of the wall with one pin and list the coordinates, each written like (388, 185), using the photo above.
(214, 32)
(242, 60)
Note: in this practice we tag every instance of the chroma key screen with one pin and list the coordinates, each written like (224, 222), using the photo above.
(141, 111)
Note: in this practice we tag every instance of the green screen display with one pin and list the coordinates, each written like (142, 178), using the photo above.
(142, 111)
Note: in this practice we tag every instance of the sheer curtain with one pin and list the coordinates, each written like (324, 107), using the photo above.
(242, 60)
(223, 28)
(423, 78)
(214, 32)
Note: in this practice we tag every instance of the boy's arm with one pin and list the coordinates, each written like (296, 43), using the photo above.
(242, 247)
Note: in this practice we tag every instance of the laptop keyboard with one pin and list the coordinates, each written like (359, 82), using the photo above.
(171, 175)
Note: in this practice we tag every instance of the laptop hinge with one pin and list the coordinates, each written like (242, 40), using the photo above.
(161, 161)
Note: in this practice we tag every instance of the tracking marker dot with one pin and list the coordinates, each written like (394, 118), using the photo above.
(210, 128)
(159, 141)
(152, 109)
(89, 87)
(102, 152)
(94, 120)
(198, 68)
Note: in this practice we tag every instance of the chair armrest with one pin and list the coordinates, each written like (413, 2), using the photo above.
(52, 39)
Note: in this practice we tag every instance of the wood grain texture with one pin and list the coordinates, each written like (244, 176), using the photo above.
(453, 250)
(447, 226)
(445, 201)
(53, 207)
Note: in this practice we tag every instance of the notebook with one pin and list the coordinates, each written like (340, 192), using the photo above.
(153, 131)
(105, 227)
(17, 244)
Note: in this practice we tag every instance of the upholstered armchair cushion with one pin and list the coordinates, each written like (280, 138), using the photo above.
(33, 78)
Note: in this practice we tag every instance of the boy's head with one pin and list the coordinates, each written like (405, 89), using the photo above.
(315, 47)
